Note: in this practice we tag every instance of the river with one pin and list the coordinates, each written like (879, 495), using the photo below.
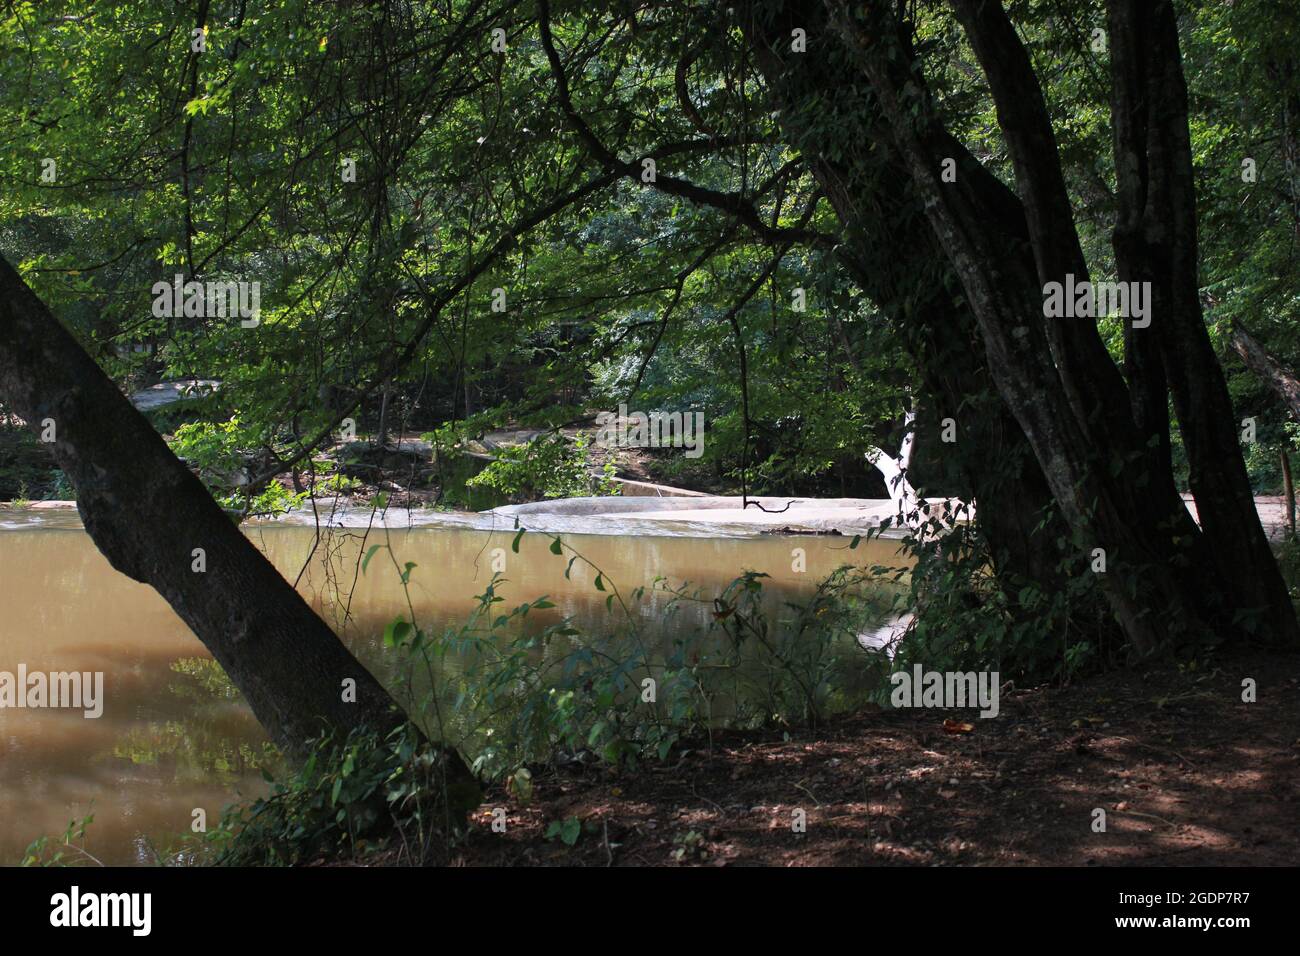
(172, 739)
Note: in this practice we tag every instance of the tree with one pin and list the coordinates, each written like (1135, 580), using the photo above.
(646, 184)
(1284, 382)
(1106, 465)
(157, 524)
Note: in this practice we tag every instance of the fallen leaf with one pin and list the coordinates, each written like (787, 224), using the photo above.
(957, 727)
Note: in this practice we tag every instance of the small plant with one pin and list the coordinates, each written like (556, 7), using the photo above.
(689, 847)
(274, 499)
(965, 618)
(352, 797)
(212, 448)
(216, 451)
(514, 692)
(339, 484)
(566, 831)
(69, 850)
(62, 489)
(606, 485)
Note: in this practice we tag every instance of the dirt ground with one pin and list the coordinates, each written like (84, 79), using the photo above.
(1186, 772)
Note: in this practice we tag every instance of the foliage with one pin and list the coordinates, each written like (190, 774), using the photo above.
(964, 617)
(566, 831)
(69, 850)
(549, 466)
(218, 451)
(380, 293)
(513, 688)
(350, 797)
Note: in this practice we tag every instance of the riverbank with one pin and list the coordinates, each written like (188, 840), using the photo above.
(1185, 771)
(700, 515)
(400, 485)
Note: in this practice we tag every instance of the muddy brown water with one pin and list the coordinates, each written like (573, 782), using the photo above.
(170, 741)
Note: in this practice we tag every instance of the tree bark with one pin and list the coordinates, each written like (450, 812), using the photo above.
(1091, 381)
(149, 516)
(1284, 382)
(1288, 493)
(1157, 242)
(1150, 597)
(890, 251)
(1125, 422)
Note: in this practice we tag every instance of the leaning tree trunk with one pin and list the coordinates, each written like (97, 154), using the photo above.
(1270, 369)
(157, 524)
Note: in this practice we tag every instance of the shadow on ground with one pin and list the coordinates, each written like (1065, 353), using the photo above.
(1185, 771)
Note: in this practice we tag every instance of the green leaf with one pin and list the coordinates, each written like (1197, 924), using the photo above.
(395, 632)
(514, 545)
(365, 562)
(524, 784)
(556, 547)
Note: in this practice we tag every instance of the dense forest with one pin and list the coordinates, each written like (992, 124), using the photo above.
(412, 255)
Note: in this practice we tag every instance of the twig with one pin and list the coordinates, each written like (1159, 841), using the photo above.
(809, 792)
(1138, 743)
(699, 796)
(1149, 816)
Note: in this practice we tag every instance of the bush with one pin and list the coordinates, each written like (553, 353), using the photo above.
(549, 466)
(512, 693)
(965, 618)
(360, 795)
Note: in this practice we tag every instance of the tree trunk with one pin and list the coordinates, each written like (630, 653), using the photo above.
(890, 251)
(1288, 492)
(157, 524)
(1269, 368)
(1157, 242)
(1112, 516)
(381, 437)
(1103, 451)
